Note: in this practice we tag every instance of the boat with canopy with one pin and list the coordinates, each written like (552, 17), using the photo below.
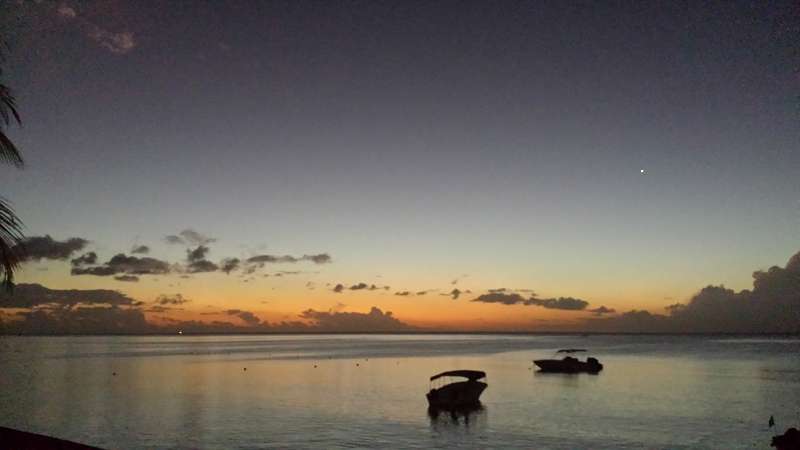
(456, 394)
(569, 364)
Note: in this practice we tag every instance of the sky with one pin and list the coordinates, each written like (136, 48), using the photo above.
(621, 156)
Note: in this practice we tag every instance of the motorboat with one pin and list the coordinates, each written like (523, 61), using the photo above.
(456, 394)
(569, 364)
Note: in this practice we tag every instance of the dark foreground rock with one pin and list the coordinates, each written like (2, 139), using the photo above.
(22, 440)
(790, 440)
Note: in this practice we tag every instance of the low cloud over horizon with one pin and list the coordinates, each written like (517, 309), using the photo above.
(771, 306)
(503, 297)
(35, 309)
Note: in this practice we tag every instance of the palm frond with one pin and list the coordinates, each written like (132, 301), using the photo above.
(10, 244)
(8, 113)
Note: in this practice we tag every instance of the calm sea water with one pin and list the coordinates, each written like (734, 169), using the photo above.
(352, 391)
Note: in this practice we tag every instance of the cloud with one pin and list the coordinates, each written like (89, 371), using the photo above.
(197, 262)
(512, 298)
(37, 248)
(51, 311)
(772, 306)
(128, 278)
(457, 279)
(634, 321)
(119, 43)
(197, 254)
(123, 264)
(246, 316)
(322, 258)
(403, 293)
(35, 295)
(140, 249)
(675, 308)
(375, 320)
(175, 299)
(564, 303)
(455, 293)
(602, 310)
(359, 287)
(189, 237)
(66, 12)
(499, 297)
(173, 239)
(85, 259)
(160, 309)
(84, 320)
(228, 265)
(281, 273)
(116, 42)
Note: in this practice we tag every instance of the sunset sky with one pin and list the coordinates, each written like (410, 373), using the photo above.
(625, 158)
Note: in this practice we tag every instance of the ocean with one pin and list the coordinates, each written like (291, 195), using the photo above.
(368, 391)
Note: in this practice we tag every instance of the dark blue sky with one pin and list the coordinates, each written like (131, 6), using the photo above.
(422, 139)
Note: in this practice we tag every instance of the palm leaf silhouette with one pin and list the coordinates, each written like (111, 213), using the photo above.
(10, 225)
(10, 243)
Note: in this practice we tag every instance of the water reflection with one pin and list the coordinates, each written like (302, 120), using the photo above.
(687, 393)
(453, 418)
(571, 380)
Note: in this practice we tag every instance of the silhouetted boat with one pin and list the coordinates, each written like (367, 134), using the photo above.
(458, 394)
(569, 364)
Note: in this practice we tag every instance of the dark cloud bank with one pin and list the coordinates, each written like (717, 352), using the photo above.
(511, 298)
(339, 288)
(129, 268)
(35, 309)
(37, 248)
(772, 306)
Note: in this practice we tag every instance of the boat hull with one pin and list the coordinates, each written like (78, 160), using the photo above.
(457, 395)
(568, 365)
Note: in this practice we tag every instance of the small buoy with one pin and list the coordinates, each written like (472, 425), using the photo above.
(114, 373)
(315, 366)
(771, 421)
(356, 364)
(245, 369)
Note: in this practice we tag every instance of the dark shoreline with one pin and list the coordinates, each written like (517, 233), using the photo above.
(23, 440)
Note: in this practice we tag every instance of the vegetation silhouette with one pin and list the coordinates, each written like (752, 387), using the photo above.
(10, 225)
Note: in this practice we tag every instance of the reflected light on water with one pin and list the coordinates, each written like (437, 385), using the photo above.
(369, 391)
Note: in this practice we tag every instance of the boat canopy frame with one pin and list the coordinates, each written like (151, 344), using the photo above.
(471, 375)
